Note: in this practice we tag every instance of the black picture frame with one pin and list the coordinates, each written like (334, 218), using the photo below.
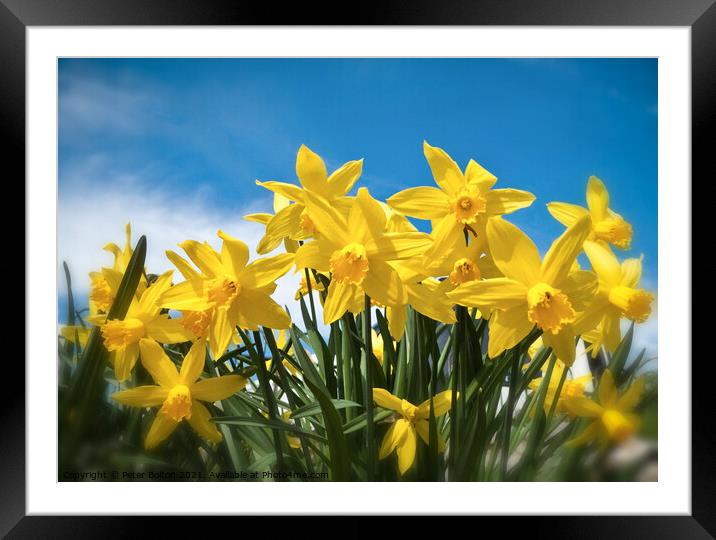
(699, 15)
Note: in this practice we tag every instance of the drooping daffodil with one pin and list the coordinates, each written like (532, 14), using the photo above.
(412, 421)
(178, 394)
(607, 226)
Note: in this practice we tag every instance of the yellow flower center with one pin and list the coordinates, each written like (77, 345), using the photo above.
(118, 334)
(464, 270)
(616, 231)
(634, 303)
(101, 293)
(197, 322)
(617, 425)
(306, 224)
(178, 403)
(224, 291)
(468, 205)
(349, 264)
(549, 308)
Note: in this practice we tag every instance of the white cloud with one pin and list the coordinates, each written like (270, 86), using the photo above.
(94, 210)
(86, 104)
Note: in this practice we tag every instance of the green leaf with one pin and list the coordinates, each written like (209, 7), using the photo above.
(266, 423)
(337, 446)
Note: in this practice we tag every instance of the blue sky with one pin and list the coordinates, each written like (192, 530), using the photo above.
(174, 145)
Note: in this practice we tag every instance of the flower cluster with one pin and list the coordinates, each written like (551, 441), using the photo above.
(355, 252)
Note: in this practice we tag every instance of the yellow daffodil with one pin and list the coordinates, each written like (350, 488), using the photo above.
(424, 294)
(143, 320)
(293, 441)
(607, 226)
(401, 436)
(179, 393)
(570, 388)
(295, 221)
(376, 341)
(467, 198)
(281, 343)
(544, 293)
(356, 251)
(618, 297)
(105, 283)
(79, 335)
(303, 287)
(230, 292)
(612, 414)
(270, 242)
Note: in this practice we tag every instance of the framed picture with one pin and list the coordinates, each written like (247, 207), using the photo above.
(425, 266)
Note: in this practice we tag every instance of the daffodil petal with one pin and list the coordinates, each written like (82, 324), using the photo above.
(631, 397)
(290, 191)
(187, 296)
(564, 250)
(397, 246)
(441, 405)
(422, 427)
(265, 271)
(286, 222)
(582, 406)
(421, 202)
(234, 253)
(199, 421)
(342, 179)
(479, 177)
(383, 283)
(217, 388)
(496, 293)
(338, 300)
(581, 287)
(142, 396)
(397, 316)
(445, 171)
(604, 262)
(311, 170)
(149, 302)
(387, 400)
(589, 433)
(507, 329)
(166, 330)
(506, 201)
(597, 198)
(631, 272)
(161, 428)
(204, 257)
(513, 252)
(182, 265)
(607, 390)
(389, 442)
(313, 255)
(406, 448)
(193, 363)
(124, 361)
(327, 218)
(258, 307)
(157, 363)
(259, 217)
(562, 343)
(567, 214)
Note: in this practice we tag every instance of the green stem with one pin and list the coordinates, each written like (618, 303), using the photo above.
(509, 410)
(310, 297)
(346, 361)
(370, 427)
(269, 397)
